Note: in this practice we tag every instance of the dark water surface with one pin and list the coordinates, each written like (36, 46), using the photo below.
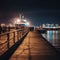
(53, 36)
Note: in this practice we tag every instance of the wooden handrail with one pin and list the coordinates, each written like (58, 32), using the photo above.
(17, 34)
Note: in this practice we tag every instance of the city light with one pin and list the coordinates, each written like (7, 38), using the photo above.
(50, 25)
(10, 25)
(27, 23)
(2, 24)
(17, 21)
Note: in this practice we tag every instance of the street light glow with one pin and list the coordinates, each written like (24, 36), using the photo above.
(18, 20)
(25, 20)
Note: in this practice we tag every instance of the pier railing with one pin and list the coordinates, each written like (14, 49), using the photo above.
(8, 39)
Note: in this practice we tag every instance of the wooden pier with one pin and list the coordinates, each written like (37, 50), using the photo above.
(34, 47)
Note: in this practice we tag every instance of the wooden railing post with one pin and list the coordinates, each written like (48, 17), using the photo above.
(21, 34)
(17, 36)
(8, 40)
(14, 37)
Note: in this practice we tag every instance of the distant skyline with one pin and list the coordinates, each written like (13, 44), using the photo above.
(36, 11)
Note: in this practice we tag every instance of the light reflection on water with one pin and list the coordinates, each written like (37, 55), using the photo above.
(53, 36)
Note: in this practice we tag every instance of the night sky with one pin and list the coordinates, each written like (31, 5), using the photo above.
(35, 11)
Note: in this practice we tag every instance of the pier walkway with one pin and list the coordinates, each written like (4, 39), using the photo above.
(35, 47)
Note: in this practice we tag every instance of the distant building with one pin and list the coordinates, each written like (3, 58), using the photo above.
(49, 25)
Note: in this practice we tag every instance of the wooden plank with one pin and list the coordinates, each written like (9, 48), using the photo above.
(34, 47)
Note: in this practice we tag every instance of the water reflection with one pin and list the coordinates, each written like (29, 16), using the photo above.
(53, 36)
(49, 36)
